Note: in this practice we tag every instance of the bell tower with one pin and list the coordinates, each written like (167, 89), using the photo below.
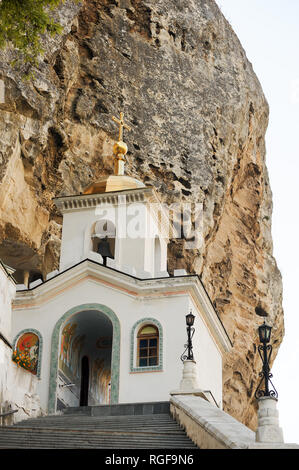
(117, 221)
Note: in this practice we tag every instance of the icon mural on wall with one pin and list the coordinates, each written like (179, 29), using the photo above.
(70, 350)
(101, 378)
(26, 352)
(65, 346)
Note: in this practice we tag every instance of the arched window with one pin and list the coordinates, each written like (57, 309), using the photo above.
(148, 346)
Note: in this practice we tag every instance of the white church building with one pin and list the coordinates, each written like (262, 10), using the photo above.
(110, 325)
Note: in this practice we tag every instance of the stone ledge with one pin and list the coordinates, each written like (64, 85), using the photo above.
(278, 445)
(205, 394)
(211, 428)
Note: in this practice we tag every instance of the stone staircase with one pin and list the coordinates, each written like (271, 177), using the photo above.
(124, 426)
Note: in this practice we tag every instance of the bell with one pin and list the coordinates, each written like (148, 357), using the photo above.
(104, 249)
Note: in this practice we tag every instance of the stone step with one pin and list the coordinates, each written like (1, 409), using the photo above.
(144, 431)
(151, 430)
(18, 444)
(121, 409)
(98, 426)
(83, 440)
(175, 429)
(99, 445)
(95, 436)
(110, 421)
(106, 427)
(128, 417)
(138, 420)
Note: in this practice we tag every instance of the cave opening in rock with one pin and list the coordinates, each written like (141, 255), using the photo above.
(23, 259)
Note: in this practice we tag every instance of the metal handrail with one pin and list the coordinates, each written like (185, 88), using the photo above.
(7, 413)
(67, 385)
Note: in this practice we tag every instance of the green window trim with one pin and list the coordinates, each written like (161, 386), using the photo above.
(133, 353)
(115, 358)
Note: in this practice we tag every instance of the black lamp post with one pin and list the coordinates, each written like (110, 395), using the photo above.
(190, 332)
(265, 333)
(265, 351)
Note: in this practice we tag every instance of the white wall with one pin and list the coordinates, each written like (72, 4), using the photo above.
(208, 358)
(169, 310)
(18, 388)
(7, 293)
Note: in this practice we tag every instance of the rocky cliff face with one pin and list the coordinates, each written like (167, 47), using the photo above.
(198, 117)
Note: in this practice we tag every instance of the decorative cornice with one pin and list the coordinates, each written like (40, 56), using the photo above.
(145, 195)
(80, 202)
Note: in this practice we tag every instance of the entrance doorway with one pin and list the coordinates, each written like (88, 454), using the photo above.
(84, 367)
(84, 381)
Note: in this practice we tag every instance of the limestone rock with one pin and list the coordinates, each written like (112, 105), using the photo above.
(198, 118)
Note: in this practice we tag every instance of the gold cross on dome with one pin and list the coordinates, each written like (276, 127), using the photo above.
(122, 125)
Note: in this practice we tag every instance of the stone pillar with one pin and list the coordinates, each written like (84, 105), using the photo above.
(26, 278)
(189, 384)
(189, 380)
(268, 429)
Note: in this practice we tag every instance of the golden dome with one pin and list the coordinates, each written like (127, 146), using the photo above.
(113, 183)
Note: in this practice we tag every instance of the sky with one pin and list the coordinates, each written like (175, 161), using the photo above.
(269, 33)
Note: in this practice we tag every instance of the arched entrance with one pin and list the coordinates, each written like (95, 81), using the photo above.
(85, 358)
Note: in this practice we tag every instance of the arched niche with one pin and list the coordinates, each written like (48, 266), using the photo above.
(27, 350)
